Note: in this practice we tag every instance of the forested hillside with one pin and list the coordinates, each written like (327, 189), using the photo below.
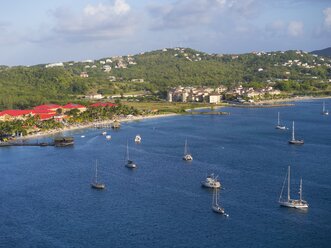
(155, 72)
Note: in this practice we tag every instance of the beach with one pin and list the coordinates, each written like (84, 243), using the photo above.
(91, 124)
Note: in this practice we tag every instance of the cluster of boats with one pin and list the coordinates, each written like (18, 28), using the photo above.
(128, 163)
(211, 181)
(293, 140)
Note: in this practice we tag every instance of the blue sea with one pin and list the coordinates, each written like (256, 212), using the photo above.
(46, 198)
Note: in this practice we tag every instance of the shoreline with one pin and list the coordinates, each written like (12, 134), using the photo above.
(89, 125)
(293, 99)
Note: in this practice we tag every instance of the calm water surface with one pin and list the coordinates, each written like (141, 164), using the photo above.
(46, 199)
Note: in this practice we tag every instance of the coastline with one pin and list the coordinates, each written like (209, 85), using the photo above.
(91, 124)
(293, 99)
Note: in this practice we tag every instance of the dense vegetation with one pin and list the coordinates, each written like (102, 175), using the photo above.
(34, 124)
(24, 87)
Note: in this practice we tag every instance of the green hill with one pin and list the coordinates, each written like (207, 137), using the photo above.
(323, 52)
(156, 71)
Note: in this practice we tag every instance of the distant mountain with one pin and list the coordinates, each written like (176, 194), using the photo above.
(323, 52)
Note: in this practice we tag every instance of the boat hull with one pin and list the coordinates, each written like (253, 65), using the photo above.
(98, 186)
(280, 127)
(294, 204)
(188, 157)
(296, 142)
(214, 185)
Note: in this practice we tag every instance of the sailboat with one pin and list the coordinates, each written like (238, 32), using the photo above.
(211, 182)
(280, 126)
(325, 111)
(137, 139)
(129, 163)
(292, 203)
(293, 141)
(95, 184)
(215, 205)
(187, 156)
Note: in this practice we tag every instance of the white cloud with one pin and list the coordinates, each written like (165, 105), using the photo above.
(295, 28)
(95, 22)
(327, 17)
(187, 13)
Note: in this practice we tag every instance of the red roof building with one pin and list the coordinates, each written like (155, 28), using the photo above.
(12, 114)
(70, 106)
(50, 106)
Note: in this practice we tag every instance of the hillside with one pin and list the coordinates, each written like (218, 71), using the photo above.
(156, 71)
(323, 52)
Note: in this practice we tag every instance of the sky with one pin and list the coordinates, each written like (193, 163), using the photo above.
(49, 31)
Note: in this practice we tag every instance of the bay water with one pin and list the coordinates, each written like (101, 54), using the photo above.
(46, 199)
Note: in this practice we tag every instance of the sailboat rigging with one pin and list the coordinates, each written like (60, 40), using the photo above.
(279, 125)
(187, 156)
(129, 163)
(95, 184)
(292, 203)
(325, 111)
(215, 205)
(294, 141)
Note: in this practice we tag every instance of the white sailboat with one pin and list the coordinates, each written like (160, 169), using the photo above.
(215, 205)
(292, 203)
(293, 141)
(325, 111)
(129, 163)
(187, 156)
(95, 184)
(137, 139)
(280, 126)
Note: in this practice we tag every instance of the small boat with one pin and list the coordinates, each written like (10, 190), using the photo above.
(129, 163)
(280, 126)
(215, 205)
(95, 184)
(104, 133)
(187, 156)
(137, 139)
(116, 124)
(64, 141)
(211, 182)
(83, 136)
(292, 203)
(325, 111)
(294, 141)
(108, 137)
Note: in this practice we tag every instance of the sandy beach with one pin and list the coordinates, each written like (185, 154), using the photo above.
(91, 124)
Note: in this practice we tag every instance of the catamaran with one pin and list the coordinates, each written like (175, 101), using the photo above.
(293, 141)
(292, 203)
(280, 126)
(129, 163)
(215, 205)
(95, 184)
(325, 111)
(211, 182)
(187, 156)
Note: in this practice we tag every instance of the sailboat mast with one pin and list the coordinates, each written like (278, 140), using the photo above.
(96, 170)
(127, 150)
(323, 107)
(185, 148)
(300, 192)
(293, 138)
(278, 123)
(288, 183)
